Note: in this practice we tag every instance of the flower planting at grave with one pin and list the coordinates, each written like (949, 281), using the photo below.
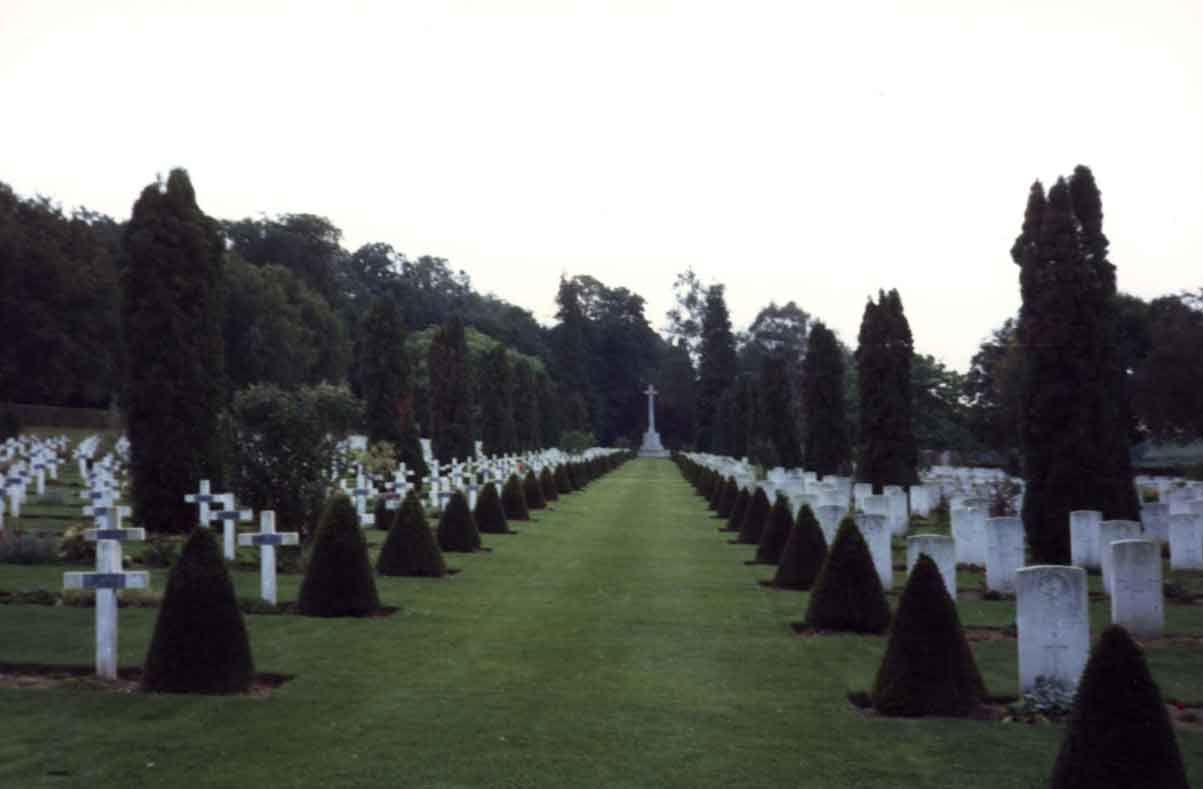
(804, 553)
(848, 596)
(410, 548)
(339, 580)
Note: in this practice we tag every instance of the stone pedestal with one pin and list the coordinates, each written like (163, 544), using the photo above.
(651, 446)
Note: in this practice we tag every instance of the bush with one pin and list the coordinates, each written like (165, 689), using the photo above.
(533, 491)
(804, 553)
(1119, 732)
(755, 518)
(383, 517)
(161, 551)
(727, 500)
(847, 595)
(513, 500)
(410, 548)
(74, 548)
(775, 533)
(339, 579)
(199, 643)
(928, 668)
(738, 510)
(563, 483)
(10, 425)
(490, 517)
(22, 547)
(548, 483)
(576, 441)
(457, 527)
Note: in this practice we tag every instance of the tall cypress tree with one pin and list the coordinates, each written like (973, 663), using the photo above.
(526, 408)
(888, 453)
(570, 342)
(497, 428)
(171, 316)
(827, 449)
(1069, 415)
(549, 411)
(385, 383)
(777, 406)
(450, 393)
(716, 367)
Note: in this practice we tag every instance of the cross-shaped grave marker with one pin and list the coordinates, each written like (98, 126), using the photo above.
(266, 540)
(202, 498)
(229, 516)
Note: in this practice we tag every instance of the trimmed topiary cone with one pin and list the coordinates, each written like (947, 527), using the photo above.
(738, 510)
(776, 532)
(410, 549)
(755, 518)
(513, 500)
(339, 580)
(928, 668)
(576, 477)
(563, 484)
(457, 527)
(200, 643)
(727, 501)
(384, 516)
(847, 595)
(804, 553)
(548, 483)
(490, 517)
(1119, 732)
(533, 491)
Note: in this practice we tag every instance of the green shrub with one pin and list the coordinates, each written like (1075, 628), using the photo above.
(410, 548)
(490, 517)
(23, 547)
(199, 643)
(847, 595)
(161, 551)
(1119, 732)
(563, 481)
(574, 441)
(575, 478)
(457, 527)
(339, 579)
(74, 548)
(548, 482)
(10, 425)
(928, 668)
(804, 553)
(513, 500)
(776, 532)
(533, 492)
(727, 501)
(755, 518)
(738, 510)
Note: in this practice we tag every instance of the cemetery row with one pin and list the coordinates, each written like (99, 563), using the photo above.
(834, 539)
(483, 495)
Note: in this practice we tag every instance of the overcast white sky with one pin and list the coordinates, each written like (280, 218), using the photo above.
(797, 150)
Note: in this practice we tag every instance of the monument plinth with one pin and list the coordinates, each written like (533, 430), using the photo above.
(651, 447)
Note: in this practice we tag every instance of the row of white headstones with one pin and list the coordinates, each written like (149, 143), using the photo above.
(1052, 614)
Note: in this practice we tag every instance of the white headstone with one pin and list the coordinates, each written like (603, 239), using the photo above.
(829, 517)
(1109, 532)
(1053, 623)
(1186, 542)
(1084, 537)
(943, 551)
(1155, 518)
(1136, 596)
(1004, 553)
(876, 532)
(969, 531)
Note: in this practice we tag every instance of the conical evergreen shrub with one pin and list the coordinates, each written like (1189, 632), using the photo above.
(928, 668)
(1119, 733)
(513, 500)
(533, 491)
(563, 483)
(199, 643)
(717, 485)
(547, 481)
(738, 510)
(490, 517)
(755, 518)
(339, 579)
(410, 548)
(730, 491)
(776, 532)
(457, 527)
(847, 595)
(804, 553)
(576, 477)
(384, 517)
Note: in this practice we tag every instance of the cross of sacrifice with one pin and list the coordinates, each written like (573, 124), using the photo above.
(229, 516)
(266, 540)
(107, 580)
(202, 498)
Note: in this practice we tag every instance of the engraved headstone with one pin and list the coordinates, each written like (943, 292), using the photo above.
(876, 532)
(969, 531)
(829, 517)
(1004, 553)
(1136, 596)
(1155, 518)
(1109, 532)
(1084, 538)
(1186, 542)
(943, 551)
(1053, 623)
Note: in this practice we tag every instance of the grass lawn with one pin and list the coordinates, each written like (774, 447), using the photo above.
(616, 642)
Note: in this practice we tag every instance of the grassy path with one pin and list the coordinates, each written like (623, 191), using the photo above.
(616, 642)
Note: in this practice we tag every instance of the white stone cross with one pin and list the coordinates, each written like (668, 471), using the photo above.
(229, 516)
(106, 585)
(651, 407)
(266, 540)
(202, 498)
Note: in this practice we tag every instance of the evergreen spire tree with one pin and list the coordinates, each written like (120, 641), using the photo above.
(888, 452)
(386, 386)
(498, 430)
(827, 449)
(171, 315)
(450, 393)
(526, 409)
(570, 342)
(549, 412)
(716, 367)
(776, 397)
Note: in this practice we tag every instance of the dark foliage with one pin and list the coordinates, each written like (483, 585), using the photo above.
(457, 526)
(385, 384)
(776, 532)
(827, 448)
(498, 430)
(490, 517)
(533, 492)
(777, 402)
(755, 519)
(738, 510)
(410, 548)
(847, 595)
(727, 501)
(339, 579)
(450, 393)
(717, 366)
(888, 454)
(804, 553)
(548, 482)
(199, 643)
(513, 499)
(928, 668)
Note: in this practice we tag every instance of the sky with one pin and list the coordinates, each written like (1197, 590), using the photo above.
(803, 151)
